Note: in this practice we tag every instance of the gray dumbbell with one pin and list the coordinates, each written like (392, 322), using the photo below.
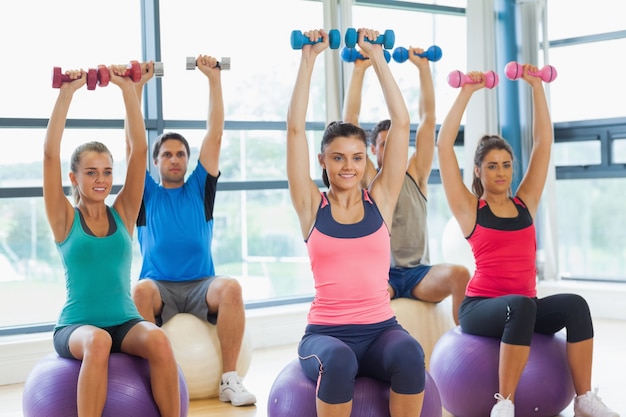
(158, 69)
(223, 64)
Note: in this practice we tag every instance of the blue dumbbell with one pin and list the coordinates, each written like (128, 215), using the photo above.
(298, 40)
(351, 55)
(387, 39)
(401, 54)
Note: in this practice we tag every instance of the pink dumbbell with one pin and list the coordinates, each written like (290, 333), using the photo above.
(514, 71)
(458, 79)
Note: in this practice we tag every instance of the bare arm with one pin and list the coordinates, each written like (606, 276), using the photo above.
(461, 201)
(212, 142)
(534, 180)
(305, 195)
(352, 103)
(386, 186)
(128, 200)
(421, 162)
(147, 71)
(352, 109)
(59, 211)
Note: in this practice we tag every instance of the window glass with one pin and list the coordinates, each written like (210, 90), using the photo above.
(21, 160)
(267, 256)
(584, 93)
(577, 153)
(569, 19)
(38, 35)
(619, 151)
(413, 29)
(263, 64)
(591, 242)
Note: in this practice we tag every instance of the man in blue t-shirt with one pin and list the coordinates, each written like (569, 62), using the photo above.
(175, 230)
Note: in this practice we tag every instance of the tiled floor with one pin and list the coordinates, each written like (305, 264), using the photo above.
(609, 374)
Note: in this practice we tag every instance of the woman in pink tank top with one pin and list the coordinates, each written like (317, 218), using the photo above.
(351, 323)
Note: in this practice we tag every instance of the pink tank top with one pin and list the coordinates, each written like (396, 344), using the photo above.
(350, 264)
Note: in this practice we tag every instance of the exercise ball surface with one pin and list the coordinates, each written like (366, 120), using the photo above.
(50, 388)
(465, 369)
(293, 394)
(197, 351)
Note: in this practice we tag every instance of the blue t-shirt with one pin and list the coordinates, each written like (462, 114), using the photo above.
(175, 228)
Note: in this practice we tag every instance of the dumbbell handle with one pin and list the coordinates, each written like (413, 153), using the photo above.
(298, 40)
(433, 53)
(223, 64)
(458, 79)
(352, 55)
(387, 39)
(59, 77)
(514, 71)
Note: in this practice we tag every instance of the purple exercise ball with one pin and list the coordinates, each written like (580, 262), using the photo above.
(465, 369)
(50, 388)
(293, 394)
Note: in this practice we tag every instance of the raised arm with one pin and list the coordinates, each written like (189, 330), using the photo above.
(147, 72)
(352, 108)
(531, 186)
(386, 186)
(212, 141)
(59, 211)
(128, 200)
(421, 162)
(304, 192)
(460, 199)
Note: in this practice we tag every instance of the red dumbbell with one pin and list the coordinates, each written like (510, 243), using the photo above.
(515, 70)
(458, 79)
(133, 70)
(59, 77)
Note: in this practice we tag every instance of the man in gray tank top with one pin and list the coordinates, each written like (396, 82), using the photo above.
(410, 273)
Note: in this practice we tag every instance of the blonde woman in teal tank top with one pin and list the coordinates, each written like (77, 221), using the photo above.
(95, 244)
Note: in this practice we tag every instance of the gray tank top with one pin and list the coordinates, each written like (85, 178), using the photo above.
(409, 232)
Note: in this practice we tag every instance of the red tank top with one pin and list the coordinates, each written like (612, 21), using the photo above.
(505, 253)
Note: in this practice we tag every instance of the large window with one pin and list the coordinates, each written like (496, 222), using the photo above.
(588, 106)
(257, 236)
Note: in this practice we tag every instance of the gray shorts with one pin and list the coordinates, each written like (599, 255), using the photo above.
(185, 297)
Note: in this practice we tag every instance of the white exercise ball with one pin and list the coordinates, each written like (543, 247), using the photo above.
(455, 248)
(198, 354)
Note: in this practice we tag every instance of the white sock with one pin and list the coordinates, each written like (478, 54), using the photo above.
(226, 375)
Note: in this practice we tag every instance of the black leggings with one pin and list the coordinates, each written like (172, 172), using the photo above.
(514, 318)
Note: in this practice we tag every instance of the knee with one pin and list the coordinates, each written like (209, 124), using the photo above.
(459, 276)
(98, 346)
(407, 355)
(158, 345)
(143, 292)
(229, 290)
(523, 307)
(340, 364)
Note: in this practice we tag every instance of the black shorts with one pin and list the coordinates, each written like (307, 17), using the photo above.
(61, 337)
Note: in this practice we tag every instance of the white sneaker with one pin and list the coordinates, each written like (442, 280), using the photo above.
(590, 405)
(233, 391)
(503, 408)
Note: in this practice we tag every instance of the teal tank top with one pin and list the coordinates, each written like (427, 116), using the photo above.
(97, 276)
